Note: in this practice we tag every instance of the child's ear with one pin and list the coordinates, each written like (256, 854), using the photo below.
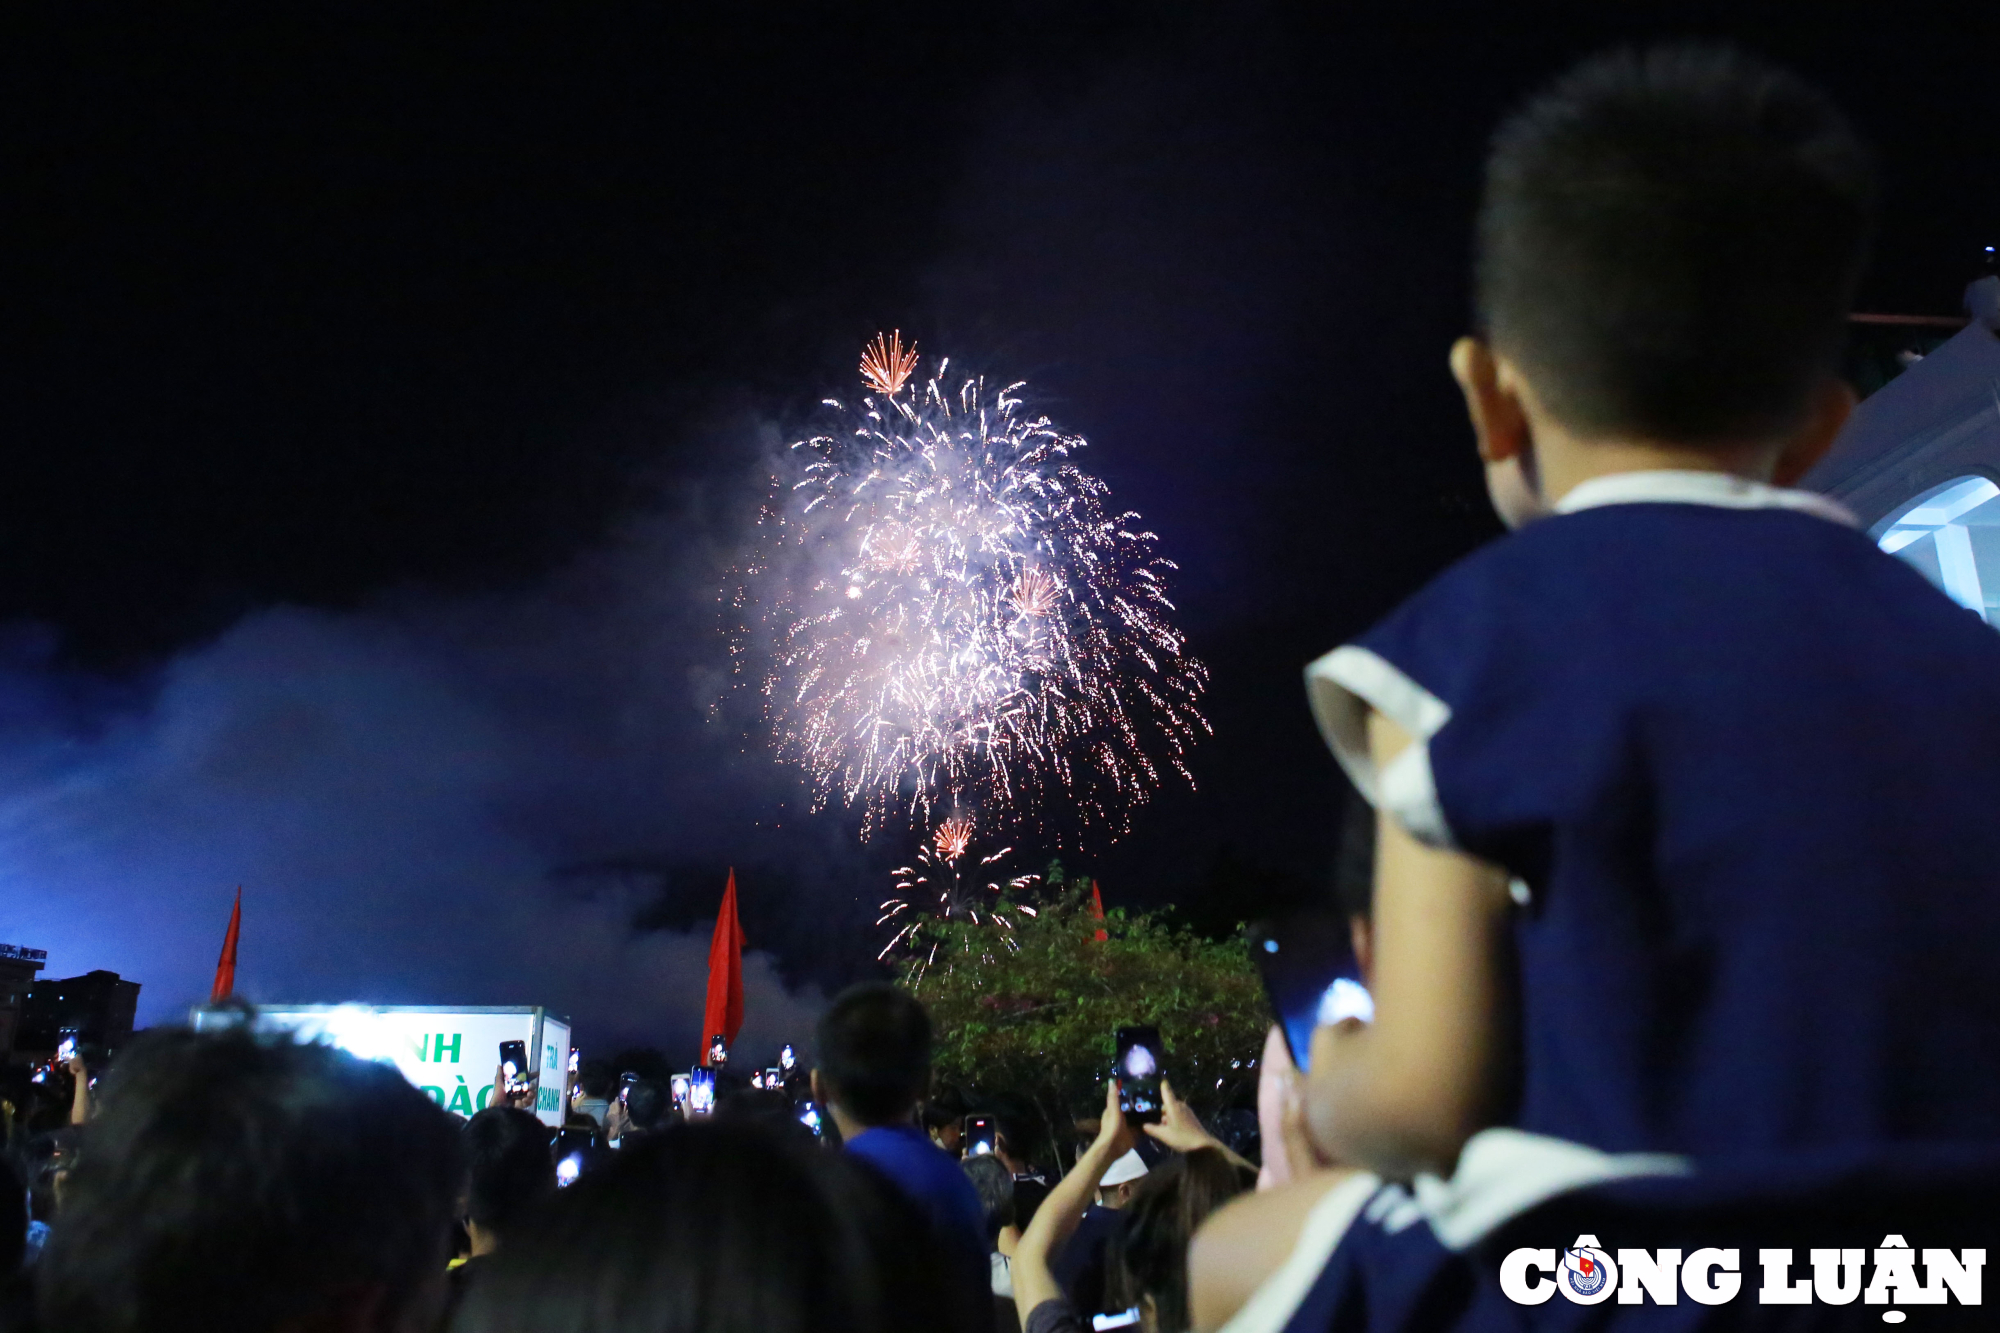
(1833, 402)
(1499, 426)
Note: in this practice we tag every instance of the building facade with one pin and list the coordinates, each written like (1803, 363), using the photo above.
(18, 966)
(95, 1009)
(1919, 461)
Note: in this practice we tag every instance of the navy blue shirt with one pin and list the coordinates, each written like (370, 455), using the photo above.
(1746, 770)
(933, 1179)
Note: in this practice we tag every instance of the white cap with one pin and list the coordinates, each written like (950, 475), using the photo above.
(1125, 1170)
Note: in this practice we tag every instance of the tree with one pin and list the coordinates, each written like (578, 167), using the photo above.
(1032, 1010)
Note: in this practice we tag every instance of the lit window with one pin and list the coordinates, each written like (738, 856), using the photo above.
(1951, 534)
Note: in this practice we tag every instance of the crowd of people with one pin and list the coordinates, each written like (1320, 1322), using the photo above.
(238, 1180)
(1680, 937)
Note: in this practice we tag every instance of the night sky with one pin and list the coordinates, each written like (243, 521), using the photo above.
(383, 401)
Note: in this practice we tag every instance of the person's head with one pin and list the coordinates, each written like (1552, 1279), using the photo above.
(947, 1131)
(1149, 1257)
(716, 1226)
(237, 1183)
(647, 1105)
(1668, 243)
(597, 1079)
(1017, 1139)
(509, 1171)
(944, 1117)
(1118, 1185)
(874, 1054)
(766, 1108)
(995, 1186)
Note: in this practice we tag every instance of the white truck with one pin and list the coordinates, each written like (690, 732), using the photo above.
(449, 1053)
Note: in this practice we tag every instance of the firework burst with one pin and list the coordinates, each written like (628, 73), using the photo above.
(940, 886)
(944, 613)
(886, 366)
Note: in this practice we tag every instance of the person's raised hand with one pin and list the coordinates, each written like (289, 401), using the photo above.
(76, 1066)
(1180, 1128)
(1289, 1153)
(1114, 1135)
(504, 1094)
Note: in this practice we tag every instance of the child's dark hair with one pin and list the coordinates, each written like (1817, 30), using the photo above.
(1669, 242)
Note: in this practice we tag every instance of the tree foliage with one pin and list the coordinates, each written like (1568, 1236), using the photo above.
(1037, 1019)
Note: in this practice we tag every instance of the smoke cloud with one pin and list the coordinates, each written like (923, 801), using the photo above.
(496, 799)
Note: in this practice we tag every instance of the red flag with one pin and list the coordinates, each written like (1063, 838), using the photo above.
(723, 1014)
(1097, 909)
(225, 966)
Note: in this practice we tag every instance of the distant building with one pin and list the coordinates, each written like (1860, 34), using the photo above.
(1919, 461)
(17, 973)
(95, 1009)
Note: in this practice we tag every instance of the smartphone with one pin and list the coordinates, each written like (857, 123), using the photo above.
(575, 1152)
(574, 1058)
(718, 1050)
(680, 1083)
(514, 1061)
(66, 1051)
(701, 1091)
(1141, 1056)
(979, 1135)
(809, 1117)
(1309, 970)
(787, 1057)
(774, 1077)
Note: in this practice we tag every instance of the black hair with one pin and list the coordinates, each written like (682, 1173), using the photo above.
(232, 1182)
(995, 1185)
(875, 1048)
(647, 1104)
(1149, 1250)
(766, 1108)
(1669, 241)
(714, 1228)
(509, 1169)
(595, 1078)
(945, 1106)
(1021, 1131)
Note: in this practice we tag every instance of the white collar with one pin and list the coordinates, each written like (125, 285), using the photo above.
(1724, 490)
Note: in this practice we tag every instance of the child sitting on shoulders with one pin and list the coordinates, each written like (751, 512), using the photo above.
(1687, 893)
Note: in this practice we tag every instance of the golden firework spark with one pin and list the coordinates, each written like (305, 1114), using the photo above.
(885, 365)
(953, 837)
(1034, 593)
